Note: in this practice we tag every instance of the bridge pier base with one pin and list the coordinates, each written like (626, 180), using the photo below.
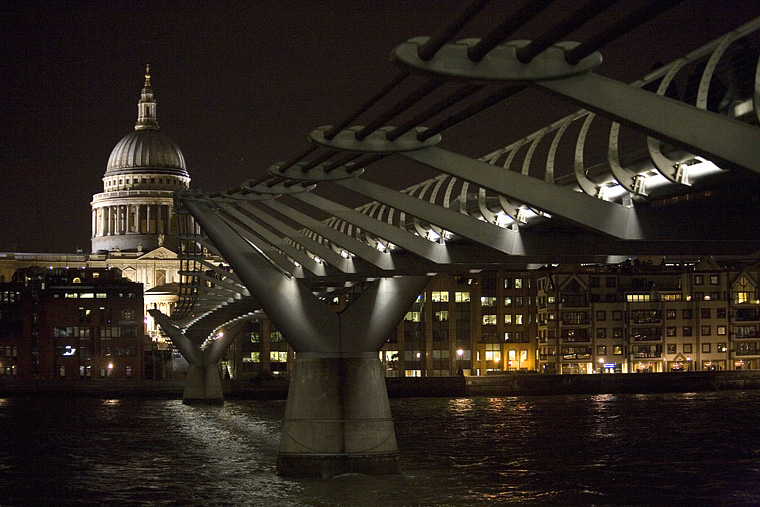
(203, 385)
(337, 418)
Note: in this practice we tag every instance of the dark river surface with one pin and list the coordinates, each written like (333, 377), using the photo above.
(677, 449)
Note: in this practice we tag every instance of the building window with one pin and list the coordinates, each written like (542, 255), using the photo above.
(705, 348)
(412, 316)
(440, 296)
(686, 331)
(610, 281)
(671, 348)
(277, 356)
(744, 291)
(705, 330)
(699, 280)
(601, 315)
(617, 315)
(670, 331)
(687, 348)
(442, 316)
(507, 319)
(670, 314)
(601, 350)
(487, 301)
(617, 332)
(713, 279)
(601, 333)
(686, 313)
(508, 301)
(704, 313)
(462, 297)
(518, 283)
(721, 330)
(617, 350)
(721, 347)
(519, 319)
(721, 313)
(489, 320)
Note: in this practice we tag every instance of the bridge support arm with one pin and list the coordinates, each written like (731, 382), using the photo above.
(203, 384)
(592, 213)
(723, 140)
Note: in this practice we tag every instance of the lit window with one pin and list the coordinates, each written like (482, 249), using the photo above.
(462, 297)
(412, 316)
(489, 320)
(440, 296)
(507, 319)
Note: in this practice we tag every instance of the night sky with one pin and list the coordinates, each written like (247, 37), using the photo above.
(239, 86)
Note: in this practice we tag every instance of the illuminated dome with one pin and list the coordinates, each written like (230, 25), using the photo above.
(135, 211)
(147, 149)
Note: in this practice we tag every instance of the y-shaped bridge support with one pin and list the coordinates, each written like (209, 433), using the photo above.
(337, 418)
(204, 382)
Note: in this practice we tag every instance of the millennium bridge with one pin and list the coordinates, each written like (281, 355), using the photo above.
(666, 164)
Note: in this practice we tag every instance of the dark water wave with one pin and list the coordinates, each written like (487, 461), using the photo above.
(678, 449)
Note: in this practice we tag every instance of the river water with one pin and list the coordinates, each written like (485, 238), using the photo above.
(677, 449)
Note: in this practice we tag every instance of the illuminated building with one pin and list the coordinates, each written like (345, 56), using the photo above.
(71, 323)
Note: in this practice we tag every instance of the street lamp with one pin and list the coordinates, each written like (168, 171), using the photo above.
(460, 353)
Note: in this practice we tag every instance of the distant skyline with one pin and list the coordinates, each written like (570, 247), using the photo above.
(239, 86)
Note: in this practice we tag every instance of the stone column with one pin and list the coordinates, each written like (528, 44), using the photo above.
(119, 219)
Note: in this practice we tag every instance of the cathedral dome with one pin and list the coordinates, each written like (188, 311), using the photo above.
(147, 149)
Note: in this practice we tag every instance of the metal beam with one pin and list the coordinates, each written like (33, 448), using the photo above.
(723, 140)
(320, 250)
(272, 241)
(485, 233)
(434, 252)
(353, 245)
(590, 212)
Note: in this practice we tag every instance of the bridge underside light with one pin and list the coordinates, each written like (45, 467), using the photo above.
(702, 167)
(503, 220)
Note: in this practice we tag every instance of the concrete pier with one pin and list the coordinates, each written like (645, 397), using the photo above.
(203, 384)
(337, 419)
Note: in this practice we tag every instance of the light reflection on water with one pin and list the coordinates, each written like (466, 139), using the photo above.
(598, 449)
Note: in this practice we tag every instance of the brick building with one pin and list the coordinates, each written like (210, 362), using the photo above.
(71, 324)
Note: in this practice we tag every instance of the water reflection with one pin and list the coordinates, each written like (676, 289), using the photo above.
(563, 450)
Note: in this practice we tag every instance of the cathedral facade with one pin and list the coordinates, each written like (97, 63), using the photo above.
(134, 226)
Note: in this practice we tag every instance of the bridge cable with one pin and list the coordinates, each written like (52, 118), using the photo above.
(529, 10)
(471, 110)
(618, 29)
(433, 44)
(579, 17)
(330, 134)
(442, 105)
(401, 106)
